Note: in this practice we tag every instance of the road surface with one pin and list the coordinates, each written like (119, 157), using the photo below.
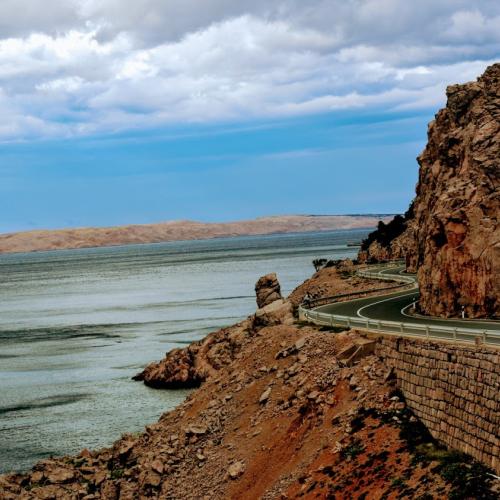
(390, 313)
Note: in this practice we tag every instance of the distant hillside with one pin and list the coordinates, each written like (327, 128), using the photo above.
(31, 241)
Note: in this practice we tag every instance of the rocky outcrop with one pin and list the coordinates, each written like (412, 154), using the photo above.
(456, 237)
(450, 234)
(190, 366)
(389, 241)
(286, 419)
(267, 290)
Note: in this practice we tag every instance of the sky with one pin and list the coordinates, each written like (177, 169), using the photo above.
(138, 111)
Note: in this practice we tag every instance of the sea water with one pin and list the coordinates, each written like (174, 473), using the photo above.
(76, 325)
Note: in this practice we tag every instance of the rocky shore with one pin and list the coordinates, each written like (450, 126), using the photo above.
(282, 411)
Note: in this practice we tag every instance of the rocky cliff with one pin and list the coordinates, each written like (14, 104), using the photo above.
(452, 239)
(456, 233)
(389, 241)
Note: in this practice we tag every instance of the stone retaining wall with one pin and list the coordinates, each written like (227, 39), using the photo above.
(454, 390)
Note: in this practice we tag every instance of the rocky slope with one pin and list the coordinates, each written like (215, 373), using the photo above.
(453, 237)
(31, 241)
(192, 365)
(389, 241)
(283, 412)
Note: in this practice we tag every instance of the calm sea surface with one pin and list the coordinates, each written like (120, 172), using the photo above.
(75, 325)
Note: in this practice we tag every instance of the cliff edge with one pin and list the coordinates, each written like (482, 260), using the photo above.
(452, 238)
(455, 226)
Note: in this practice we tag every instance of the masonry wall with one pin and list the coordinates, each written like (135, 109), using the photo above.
(454, 390)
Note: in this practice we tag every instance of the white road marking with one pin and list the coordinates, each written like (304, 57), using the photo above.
(460, 320)
(358, 312)
(406, 307)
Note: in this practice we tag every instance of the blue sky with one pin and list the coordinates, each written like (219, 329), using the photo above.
(226, 112)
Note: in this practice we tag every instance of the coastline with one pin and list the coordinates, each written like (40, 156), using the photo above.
(64, 239)
(278, 414)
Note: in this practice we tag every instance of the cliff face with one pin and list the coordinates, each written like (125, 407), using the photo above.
(452, 237)
(455, 227)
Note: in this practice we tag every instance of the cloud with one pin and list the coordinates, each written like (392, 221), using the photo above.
(102, 66)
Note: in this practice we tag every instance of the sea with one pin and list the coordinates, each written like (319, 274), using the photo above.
(76, 325)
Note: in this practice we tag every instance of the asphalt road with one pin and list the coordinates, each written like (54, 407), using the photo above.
(394, 307)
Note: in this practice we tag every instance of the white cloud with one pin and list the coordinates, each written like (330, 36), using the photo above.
(107, 65)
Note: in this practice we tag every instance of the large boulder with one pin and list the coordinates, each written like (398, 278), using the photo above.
(279, 312)
(267, 290)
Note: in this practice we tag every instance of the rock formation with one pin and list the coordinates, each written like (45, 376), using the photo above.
(286, 419)
(267, 290)
(452, 238)
(456, 235)
(192, 365)
(389, 241)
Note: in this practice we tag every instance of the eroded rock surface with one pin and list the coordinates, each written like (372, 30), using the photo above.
(267, 290)
(456, 235)
(452, 238)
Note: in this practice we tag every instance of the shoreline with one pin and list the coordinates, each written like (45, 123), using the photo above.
(79, 238)
(282, 409)
(278, 403)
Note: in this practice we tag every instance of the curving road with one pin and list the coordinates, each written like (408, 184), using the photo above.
(389, 313)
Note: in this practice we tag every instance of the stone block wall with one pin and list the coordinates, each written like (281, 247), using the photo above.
(453, 389)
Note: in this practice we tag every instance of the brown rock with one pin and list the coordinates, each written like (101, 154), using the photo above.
(196, 430)
(59, 475)
(109, 491)
(192, 365)
(265, 396)
(236, 469)
(457, 248)
(278, 312)
(267, 290)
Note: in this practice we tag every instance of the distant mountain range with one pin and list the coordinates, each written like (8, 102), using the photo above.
(59, 239)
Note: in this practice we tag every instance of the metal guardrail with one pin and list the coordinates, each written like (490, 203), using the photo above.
(456, 334)
(401, 279)
(387, 277)
(402, 329)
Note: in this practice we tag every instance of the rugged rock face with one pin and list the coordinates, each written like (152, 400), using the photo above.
(452, 238)
(267, 290)
(389, 241)
(192, 365)
(455, 227)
